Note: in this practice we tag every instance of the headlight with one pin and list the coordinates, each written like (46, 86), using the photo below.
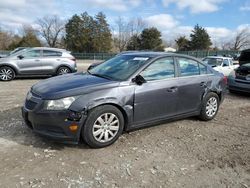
(60, 104)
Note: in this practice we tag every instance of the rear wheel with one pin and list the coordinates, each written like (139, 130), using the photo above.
(210, 107)
(6, 73)
(63, 70)
(103, 126)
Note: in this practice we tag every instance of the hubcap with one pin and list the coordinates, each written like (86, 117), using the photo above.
(64, 71)
(106, 127)
(211, 107)
(6, 74)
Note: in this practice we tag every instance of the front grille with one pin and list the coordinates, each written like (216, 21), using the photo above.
(30, 105)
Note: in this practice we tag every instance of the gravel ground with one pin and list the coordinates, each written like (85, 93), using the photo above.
(184, 153)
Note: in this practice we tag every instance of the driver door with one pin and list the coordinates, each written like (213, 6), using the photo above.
(30, 62)
(158, 97)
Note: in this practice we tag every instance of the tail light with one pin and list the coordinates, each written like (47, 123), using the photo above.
(225, 80)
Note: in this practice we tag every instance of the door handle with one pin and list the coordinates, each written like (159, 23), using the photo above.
(37, 59)
(172, 89)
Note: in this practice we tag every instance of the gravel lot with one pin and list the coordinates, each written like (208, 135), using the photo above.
(184, 153)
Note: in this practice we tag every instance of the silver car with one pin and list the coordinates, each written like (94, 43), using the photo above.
(37, 61)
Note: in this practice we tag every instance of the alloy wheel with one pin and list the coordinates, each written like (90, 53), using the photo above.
(6, 74)
(64, 71)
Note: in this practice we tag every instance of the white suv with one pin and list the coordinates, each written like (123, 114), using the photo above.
(225, 65)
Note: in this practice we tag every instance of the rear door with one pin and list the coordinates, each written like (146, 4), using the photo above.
(192, 83)
(30, 62)
(157, 98)
(50, 60)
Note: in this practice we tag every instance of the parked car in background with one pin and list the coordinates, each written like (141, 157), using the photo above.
(239, 81)
(127, 92)
(37, 61)
(225, 65)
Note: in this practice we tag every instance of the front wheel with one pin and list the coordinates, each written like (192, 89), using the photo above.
(6, 73)
(103, 126)
(210, 107)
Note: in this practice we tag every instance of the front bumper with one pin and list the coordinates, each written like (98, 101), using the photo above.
(53, 124)
(238, 85)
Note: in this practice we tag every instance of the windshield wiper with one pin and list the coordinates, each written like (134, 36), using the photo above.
(101, 76)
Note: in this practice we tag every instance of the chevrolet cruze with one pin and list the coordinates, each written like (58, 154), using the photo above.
(127, 92)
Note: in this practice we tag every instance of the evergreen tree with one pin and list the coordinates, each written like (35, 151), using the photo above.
(199, 39)
(102, 37)
(150, 39)
(134, 43)
(87, 34)
(182, 43)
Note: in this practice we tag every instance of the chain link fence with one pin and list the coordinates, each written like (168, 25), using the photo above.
(105, 56)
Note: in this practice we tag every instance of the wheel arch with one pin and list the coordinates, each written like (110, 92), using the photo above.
(11, 66)
(119, 107)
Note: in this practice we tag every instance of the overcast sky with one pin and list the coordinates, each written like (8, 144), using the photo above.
(222, 18)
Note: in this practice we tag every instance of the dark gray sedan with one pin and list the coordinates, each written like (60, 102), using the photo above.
(127, 92)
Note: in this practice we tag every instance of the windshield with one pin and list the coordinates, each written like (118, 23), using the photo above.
(18, 52)
(214, 62)
(120, 67)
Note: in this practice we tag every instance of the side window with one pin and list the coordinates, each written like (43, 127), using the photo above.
(225, 63)
(231, 62)
(160, 69)
(188, 67)
(203, 69)
(31, 54)
(50, 53)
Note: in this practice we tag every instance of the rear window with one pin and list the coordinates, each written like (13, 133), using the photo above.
(213, 62)
(50, 53)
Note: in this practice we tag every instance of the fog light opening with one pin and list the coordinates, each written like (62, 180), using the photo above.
(73, 127)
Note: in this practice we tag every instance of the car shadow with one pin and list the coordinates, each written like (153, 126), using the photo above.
(14, 130)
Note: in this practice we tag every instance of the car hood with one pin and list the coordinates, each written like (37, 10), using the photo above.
(71, 85)
(244, 62)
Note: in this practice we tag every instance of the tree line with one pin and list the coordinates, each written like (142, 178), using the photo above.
(86, 33)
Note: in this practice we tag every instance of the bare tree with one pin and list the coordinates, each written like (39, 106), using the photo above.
(124, 30)
(51, 29)
(242, 39)
(5, 39)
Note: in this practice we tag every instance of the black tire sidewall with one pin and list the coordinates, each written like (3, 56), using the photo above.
(203, 114)
(86, 132)
(13, 73)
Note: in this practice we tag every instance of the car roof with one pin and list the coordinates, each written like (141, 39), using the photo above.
(216, 57)
(146, 53)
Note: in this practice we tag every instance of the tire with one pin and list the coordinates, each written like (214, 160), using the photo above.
(210, 107)
(63, 70)
(103, 126)
(6, 73)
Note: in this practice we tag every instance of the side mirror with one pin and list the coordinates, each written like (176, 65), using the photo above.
(20, 57)
(139, 80)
